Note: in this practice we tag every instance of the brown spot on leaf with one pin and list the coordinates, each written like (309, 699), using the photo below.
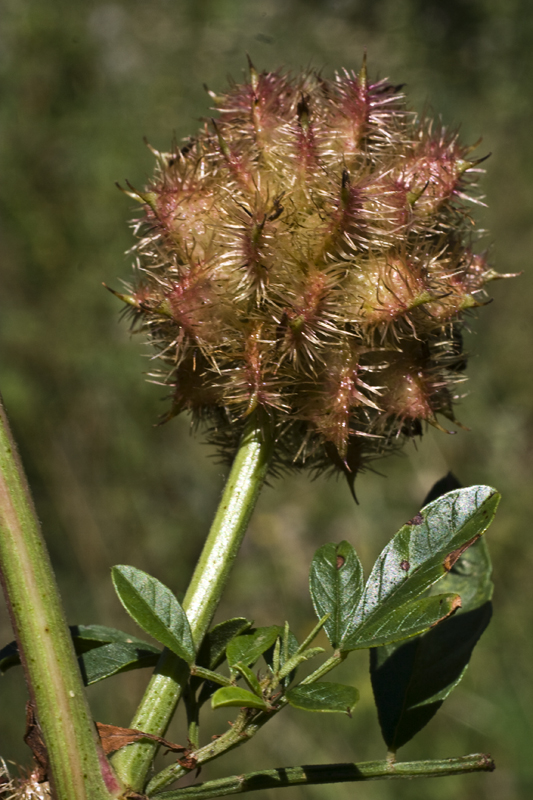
(340, 561)
(418, 519)
(455, 555)
(456, 603)
(114, 738)
(405, 565)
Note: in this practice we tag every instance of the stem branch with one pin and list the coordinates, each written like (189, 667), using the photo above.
(330, 773)
(201, 600)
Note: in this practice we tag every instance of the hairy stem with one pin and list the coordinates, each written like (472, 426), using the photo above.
(330, 773)
(201, 600)
(77, 764)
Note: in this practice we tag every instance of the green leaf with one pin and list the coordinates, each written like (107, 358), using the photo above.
(110, 659)
(212, 652)
(155, 609)
(323, 697)
(424, 550)
(9, 657)
(250, 678)
(84, 638)
(470, 577)
(249, 647)
(336, 584)
(234, 696)
(405, 621)
(412, 680)
(87, 637)
(213, 648)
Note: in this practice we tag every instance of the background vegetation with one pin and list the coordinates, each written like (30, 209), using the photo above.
(82, 83)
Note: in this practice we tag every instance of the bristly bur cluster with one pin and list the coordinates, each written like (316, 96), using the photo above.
(308, 253)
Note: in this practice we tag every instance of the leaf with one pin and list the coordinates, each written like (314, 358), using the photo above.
(249, 647)
(323, 697)
(471, 577)
(114, 738)
(250, 678)
(213, 649)
(412, 680)
(9, 657)
(84, 638)
(155, 609)
(235, 696)
(336, 584)
(110, 659)
(424, 550)
(87, 637)
(408, 620)
(212, 652)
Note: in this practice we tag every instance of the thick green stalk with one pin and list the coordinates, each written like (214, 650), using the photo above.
(330, 773)
(201, 600)
(54, 682)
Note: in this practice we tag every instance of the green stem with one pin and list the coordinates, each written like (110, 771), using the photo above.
(78, 768)
(332, 662)
(201, 600)
(243, 728)
(209, 675)
(193, 719)
(330, 773)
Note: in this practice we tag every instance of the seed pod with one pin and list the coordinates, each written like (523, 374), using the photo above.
(309, 256)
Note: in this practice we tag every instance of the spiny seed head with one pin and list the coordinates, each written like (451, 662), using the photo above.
(308, 255)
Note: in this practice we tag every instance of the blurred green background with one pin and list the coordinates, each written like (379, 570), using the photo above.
(81, 84)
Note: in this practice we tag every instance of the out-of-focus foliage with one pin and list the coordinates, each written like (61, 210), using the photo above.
(81, 84)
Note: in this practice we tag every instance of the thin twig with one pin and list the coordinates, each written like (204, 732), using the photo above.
(330, 773)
